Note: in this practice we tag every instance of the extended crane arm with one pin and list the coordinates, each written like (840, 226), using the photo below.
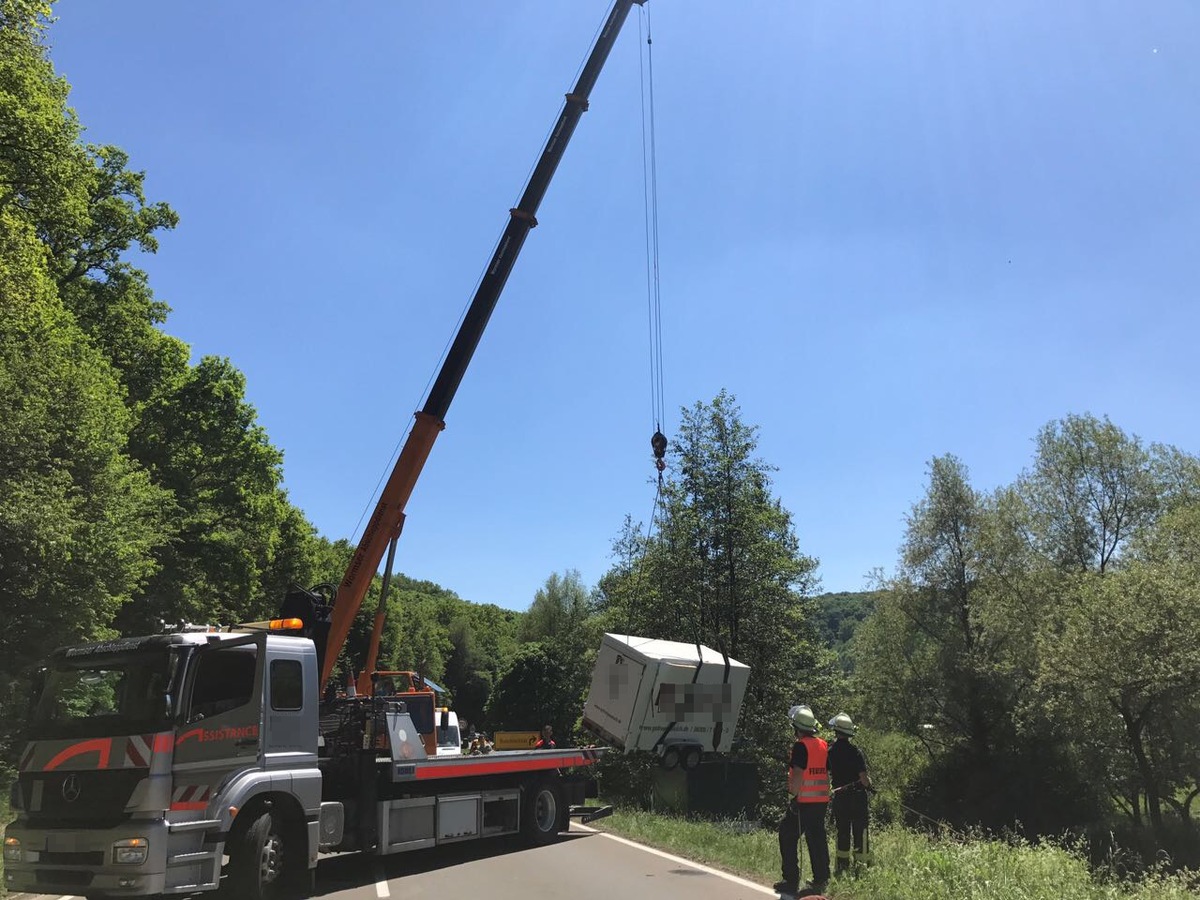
(389, 511)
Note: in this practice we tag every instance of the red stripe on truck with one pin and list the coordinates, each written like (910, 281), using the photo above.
(495, 767)
(102, 747)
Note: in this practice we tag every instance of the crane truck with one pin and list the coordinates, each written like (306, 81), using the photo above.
(221, 757)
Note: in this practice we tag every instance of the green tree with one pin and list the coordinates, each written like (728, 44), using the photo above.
(725, 569)
(1091, 489)
(1123, 663)
(537, 689)
(836, 617)
(45, 176)
(483, 641)
(944, 660)
(77, 516)
(201, 442)
(561, 615)
(1098, 498)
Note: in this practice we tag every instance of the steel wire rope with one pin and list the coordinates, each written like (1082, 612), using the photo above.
(653, 292)
(650, 206)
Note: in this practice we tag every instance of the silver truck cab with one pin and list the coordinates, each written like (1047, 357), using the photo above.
(148, 756)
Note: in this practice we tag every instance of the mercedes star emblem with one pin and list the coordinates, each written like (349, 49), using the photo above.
(70, 788)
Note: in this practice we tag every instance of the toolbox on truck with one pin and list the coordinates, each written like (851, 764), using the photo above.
(675, 699)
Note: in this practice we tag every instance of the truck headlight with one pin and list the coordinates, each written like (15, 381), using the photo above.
(130, 852)
(12, 850)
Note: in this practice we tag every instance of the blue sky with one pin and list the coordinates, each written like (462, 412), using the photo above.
(891, 229)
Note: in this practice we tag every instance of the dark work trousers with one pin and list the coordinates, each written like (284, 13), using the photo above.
(850, 812)
(809, 821)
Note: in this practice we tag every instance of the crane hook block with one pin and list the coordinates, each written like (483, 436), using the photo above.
(659, 444)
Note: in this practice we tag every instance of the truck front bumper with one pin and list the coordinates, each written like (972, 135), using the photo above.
(80, 861)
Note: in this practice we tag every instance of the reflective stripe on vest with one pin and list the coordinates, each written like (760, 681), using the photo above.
(811, 785)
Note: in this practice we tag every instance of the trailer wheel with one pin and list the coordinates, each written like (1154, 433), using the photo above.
(691, 758)
(260, 862)
(544, 813)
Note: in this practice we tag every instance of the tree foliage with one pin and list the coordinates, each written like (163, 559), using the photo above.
(538, 688)
(1056, 613)
(134, 486)
(725, 569)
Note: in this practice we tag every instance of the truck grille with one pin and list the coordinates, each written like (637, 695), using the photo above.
(82, 858)
(63, 878)
(97, 799)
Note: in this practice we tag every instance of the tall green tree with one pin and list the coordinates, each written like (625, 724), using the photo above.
(1123, 664)
(1098, 498)
(78, 518)
(560, 615)
(1091, 489)
(945, 659)
(45, 177)
(945, 676)
(725, 569)
(201, 442)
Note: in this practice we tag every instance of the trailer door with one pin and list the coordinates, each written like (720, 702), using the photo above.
(612, 706)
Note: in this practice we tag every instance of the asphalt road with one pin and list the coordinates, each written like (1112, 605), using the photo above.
(585, 865)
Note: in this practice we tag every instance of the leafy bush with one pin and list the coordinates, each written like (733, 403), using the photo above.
(1031, 789)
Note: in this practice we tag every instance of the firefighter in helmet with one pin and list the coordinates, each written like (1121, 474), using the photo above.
(851, 781)
(808, 799)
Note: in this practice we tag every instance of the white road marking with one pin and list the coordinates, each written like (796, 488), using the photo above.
(381, 885)
(751, 885)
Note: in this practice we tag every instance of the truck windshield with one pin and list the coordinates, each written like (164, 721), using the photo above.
(107, 696)
(448, 737)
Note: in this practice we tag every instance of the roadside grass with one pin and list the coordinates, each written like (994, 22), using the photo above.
(908, 865)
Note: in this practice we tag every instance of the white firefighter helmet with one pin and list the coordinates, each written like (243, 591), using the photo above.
(843, 724)
(803, 719)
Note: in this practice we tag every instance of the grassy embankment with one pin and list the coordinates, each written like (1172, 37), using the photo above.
(909, 865)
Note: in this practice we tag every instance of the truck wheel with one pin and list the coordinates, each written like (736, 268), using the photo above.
(691, 758)
(544, 814)
(259, 862)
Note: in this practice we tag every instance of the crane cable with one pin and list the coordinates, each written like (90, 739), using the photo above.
(658, 442)
(653, 284)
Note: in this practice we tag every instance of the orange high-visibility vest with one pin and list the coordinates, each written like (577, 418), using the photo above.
(811, 785)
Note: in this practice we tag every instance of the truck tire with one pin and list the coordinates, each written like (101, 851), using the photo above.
(260, 864)
(544, 813)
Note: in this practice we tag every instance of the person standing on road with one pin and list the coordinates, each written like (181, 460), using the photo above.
(851, 781)
(808, 800)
